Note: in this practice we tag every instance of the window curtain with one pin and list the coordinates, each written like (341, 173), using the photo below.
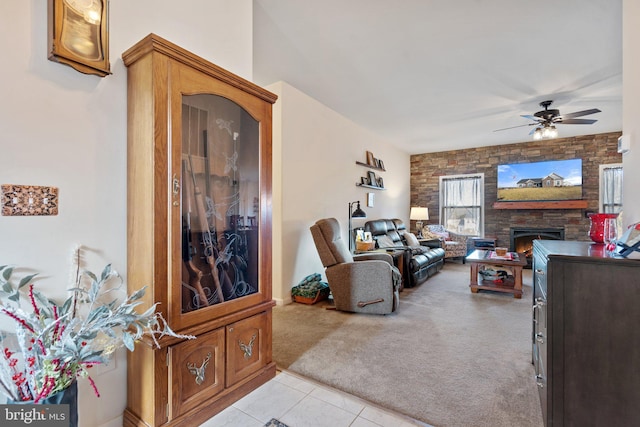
(612, 189)
(461, 201)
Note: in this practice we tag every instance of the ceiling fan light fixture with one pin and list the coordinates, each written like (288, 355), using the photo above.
(544, 120)
(547, 131)
(537, 134)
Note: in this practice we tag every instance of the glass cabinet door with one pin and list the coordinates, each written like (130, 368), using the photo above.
(220, 201)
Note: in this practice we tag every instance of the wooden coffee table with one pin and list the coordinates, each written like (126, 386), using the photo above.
(513, 261)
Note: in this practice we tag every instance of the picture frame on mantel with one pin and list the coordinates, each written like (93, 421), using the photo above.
(78, 35)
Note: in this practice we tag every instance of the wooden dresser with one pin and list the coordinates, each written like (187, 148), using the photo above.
(586, 339)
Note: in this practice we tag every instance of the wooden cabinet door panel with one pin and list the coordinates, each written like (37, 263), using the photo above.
(247, 346)
(197, 371)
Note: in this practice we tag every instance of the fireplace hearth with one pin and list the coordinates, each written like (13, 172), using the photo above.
(522, 239)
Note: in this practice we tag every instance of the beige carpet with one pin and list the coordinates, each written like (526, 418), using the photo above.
(447, 357)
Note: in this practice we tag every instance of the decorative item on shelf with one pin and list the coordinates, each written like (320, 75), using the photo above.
(373, 180)
(54, 344)
(357, 213)
(419, 215)
(596, 226)
(372, 162)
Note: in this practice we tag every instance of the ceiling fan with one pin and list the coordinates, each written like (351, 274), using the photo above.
(545, 120)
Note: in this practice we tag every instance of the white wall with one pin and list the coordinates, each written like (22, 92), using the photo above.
(66, 129)
(315, 150)
(631, 107)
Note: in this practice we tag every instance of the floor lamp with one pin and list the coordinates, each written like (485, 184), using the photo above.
(419, 214)
(357, 213)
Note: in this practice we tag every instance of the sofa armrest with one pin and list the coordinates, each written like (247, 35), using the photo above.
(431, 243)
(462, 238)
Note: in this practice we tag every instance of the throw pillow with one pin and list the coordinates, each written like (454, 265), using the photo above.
(428, 234)
(385, 241)
(411, 239)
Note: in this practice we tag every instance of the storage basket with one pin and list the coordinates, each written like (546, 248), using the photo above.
(310, 290)
(365, 246)
(322, 295)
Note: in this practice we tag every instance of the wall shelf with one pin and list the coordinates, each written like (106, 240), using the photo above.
(542, 204)
(370, 186)
(367, 165)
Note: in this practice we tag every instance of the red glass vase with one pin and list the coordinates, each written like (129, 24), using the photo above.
(596, 228)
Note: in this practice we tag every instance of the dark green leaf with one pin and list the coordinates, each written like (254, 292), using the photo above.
(6, 273)
(26, 280)
(14, 296)
(6, 287)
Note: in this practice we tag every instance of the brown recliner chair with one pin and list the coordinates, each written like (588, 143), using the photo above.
(365, 283)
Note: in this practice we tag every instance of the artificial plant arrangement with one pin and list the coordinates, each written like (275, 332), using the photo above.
(54, 344)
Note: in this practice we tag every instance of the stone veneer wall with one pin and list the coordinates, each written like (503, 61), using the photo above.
(594, 150)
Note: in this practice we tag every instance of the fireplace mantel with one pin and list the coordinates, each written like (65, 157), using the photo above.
(542, 204)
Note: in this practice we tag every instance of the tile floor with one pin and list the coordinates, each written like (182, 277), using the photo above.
(299, 402)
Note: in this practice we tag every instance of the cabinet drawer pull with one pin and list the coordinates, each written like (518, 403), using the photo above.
(540, 337)
(539, 381)
(540, 271)
(199, 372)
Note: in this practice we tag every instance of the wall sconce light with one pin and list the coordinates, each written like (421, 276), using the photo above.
(419, 214)
(357, 213)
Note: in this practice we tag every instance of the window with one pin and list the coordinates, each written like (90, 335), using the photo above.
(611, 188)
(462, 203)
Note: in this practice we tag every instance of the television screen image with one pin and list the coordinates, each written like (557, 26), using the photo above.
(550, 180)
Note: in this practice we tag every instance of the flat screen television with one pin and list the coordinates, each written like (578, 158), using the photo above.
(549, 180)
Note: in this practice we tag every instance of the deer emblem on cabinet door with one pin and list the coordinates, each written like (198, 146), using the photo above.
(199, 372)
(247, 349)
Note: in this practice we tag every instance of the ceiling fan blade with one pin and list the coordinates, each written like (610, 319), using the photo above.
(580, 113)
(575, 121)
(513, 127)
(530, 117)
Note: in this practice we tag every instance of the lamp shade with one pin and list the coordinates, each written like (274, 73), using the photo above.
(358, 213)
(419, 214)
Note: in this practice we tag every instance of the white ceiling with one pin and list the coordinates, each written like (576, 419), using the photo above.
(436, 75)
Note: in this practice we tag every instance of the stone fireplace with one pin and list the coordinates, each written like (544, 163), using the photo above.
(522, 239)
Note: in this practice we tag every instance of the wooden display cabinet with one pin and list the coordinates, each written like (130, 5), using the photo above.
(199, 233)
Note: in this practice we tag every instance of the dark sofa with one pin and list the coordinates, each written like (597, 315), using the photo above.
(420, 262)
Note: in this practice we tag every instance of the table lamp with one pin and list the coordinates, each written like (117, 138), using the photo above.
(419, 214)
